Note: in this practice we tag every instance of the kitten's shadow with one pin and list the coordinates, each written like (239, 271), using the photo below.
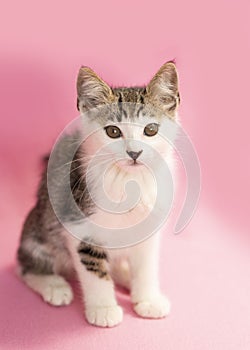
(27, 322)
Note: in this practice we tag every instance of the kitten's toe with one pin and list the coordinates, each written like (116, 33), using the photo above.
(104, 316)
(58, 293)
(155, 308)
(54, 289)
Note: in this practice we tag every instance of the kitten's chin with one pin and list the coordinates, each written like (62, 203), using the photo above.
(129, 165)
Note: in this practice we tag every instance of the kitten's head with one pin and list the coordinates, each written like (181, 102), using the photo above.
(127, 122)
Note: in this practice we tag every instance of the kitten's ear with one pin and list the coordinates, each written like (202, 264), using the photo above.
(162, 90)
(92, 91)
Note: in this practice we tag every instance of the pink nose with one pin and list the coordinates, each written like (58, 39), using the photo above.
(134, 155)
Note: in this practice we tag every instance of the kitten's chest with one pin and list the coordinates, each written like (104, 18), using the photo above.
(124, 200)
(131, 188)
(123, 218)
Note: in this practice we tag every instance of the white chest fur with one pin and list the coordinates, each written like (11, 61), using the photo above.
(124, 198)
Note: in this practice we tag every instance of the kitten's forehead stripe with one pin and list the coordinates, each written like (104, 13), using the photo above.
(135, 103)
(141, 98)
(120, 96)
(129, 104)
(122, 113)
(139, 111)
(135, 94)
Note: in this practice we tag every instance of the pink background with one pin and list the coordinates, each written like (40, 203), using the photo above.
(205, 270)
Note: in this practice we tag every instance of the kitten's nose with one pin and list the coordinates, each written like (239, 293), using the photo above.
(134, 155)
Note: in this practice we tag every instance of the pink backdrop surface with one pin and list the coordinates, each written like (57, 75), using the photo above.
(205, 270)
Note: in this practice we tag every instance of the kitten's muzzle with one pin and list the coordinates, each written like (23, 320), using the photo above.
(134, 155)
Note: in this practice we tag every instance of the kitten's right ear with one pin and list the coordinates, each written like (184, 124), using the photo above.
(162, 90)
(92, 91)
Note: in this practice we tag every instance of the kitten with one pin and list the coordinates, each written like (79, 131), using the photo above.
(47, 252)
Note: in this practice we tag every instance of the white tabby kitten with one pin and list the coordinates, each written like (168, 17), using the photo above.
(125, 126)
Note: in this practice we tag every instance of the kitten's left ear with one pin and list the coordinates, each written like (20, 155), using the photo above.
(162, 90)
(92, 91)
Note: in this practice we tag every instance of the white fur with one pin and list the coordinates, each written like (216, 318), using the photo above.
(142, 277)
(136, 267)
(54, 289)
(101, 307)
(114, 171)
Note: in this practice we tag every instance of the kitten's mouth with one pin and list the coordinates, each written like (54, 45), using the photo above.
(129, 164)
(135, 163)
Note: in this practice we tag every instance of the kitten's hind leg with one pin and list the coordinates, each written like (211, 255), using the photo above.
(121, 275)
(54, 289)
(37, 267)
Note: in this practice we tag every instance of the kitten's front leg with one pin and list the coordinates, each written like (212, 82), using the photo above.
(145, 291)
(101, 307)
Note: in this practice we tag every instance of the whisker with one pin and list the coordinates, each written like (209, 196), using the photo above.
(95, 183)
(81, 166)
(77, 182)
(81, 159)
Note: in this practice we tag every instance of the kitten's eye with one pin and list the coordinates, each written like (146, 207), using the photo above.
(151, 129)
(113, 131)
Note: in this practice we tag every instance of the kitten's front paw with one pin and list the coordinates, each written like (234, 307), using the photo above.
(157, 307)
(104, 316)
(58, 292)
